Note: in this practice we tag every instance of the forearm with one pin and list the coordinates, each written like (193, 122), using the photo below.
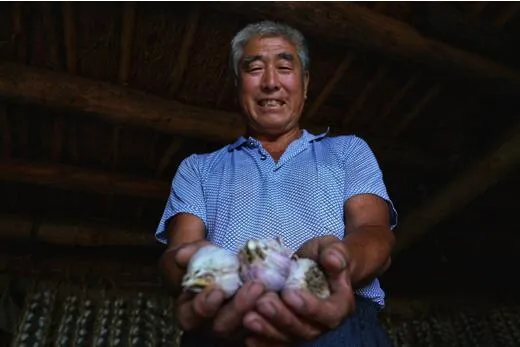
(369, 250)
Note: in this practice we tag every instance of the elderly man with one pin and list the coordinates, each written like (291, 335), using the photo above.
(324, 195)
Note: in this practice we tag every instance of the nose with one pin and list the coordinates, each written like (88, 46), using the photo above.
(270, 80)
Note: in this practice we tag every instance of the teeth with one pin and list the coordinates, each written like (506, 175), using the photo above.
(270, 103)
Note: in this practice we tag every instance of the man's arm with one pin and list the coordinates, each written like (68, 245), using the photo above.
(369, 240)
(183, 229)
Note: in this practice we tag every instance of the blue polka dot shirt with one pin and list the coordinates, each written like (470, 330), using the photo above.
(240, 192)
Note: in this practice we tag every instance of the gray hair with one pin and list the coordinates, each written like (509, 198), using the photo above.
(268, 29)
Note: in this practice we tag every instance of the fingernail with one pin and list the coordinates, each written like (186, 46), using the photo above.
(254, 325)
(267, 309)
(339, 259)
(295, 299)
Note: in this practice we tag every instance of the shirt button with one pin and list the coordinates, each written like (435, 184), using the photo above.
(263, 157)
(251, 144)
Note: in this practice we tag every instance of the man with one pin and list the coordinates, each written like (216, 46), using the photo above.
(325, 197)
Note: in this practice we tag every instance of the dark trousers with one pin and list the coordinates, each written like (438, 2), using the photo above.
(362, 329)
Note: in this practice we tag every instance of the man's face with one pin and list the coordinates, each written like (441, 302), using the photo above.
(271, 86)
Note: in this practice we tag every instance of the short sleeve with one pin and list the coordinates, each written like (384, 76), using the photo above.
(364, 175)
(186, 196)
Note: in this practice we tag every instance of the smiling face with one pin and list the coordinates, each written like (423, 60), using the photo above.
(272, 86)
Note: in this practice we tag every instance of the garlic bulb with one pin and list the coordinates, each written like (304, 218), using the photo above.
(266, 261)
(306, 274)
(212, 265)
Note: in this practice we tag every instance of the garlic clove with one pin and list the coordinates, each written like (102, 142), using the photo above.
(266, 261)
(212, 266)
(306, 274)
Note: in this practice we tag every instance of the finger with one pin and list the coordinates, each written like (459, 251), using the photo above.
(276, 314)
(195, 310)
(328, 312)
(258, 325)
(184, 252)
(230, 317)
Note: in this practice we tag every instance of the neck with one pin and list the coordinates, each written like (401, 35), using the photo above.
(276, 145)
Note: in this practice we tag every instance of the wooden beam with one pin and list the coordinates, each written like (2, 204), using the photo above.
(69, 177)
(461, 191)
(192, 23)
(117, 104)
(121, 105)
(57, 139)
(69, 31)
(51, 35)
(419, 106)
(173, 148)
(465, 30)
(16, 228)
(360, 101)
(329, 86)
(509, 11)
(127, 38)
(348, 24)
(114, 155)
(395, 101)
(19, 36)
(6, 134)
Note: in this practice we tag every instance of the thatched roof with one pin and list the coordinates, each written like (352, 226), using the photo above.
(99, 102)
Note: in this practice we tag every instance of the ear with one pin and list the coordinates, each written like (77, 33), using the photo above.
(306, 77)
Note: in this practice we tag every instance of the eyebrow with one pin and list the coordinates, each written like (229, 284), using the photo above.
(280, 56)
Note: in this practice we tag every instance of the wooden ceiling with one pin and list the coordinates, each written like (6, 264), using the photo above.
(100, 101)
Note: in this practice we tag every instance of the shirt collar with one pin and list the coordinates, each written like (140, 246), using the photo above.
(306, 137)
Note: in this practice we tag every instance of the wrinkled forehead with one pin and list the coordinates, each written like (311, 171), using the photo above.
(269, 47)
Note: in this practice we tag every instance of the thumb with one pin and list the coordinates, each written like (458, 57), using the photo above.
(333, 257)
(184, 252)
(312, 248)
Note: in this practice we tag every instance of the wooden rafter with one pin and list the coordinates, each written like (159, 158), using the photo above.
(69, 30)
(351, 24)
(19, 39)
(329, 86)
(187, 41)
(121, 105)
(461, 191)
(5, 133)
(117, 104)
(417, 109)
(57, 139)
(116, 133)
(476, 10)
(51, 34)
(224, 91)
(62, 233)
(70, 177)
(435, 90)
(360, 101)
(510, 10)
(174, 147)
(127, 38)
(395, 100)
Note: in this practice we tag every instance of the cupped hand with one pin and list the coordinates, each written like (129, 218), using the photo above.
(210, 309)
(298, 315)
